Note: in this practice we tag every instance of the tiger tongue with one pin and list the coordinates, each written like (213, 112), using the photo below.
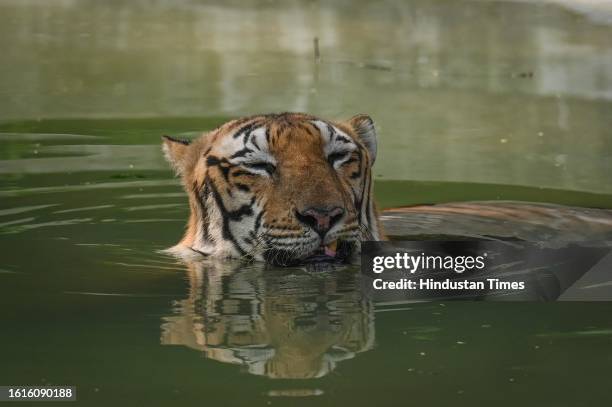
(330, 249)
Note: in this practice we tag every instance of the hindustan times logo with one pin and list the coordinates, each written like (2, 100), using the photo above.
(423, 262)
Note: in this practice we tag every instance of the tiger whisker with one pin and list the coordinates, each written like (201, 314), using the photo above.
(257, 246)
(366, 233)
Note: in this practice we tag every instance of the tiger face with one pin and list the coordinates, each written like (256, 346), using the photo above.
(283, 188)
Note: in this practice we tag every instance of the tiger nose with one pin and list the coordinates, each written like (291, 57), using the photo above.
(320, 219)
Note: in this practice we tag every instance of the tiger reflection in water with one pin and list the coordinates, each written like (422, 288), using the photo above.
(280, 324)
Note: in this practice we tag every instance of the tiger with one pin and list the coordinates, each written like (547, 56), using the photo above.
(282, 188)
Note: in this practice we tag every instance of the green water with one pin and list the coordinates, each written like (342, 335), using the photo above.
(473, 101)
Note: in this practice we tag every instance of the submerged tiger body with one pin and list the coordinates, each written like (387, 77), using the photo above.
(282, 188)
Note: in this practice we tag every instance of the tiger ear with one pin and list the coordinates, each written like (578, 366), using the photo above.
(175, 151)
(364, 127)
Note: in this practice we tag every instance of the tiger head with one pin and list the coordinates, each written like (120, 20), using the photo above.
(283, 188)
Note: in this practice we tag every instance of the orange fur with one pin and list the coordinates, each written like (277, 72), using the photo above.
(297, 146)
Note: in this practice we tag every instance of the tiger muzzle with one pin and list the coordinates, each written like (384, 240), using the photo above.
(320, 219)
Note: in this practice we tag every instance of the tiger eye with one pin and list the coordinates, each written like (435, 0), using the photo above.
(332, 158)
(265, 166)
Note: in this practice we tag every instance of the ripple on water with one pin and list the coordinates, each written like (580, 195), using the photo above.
(578, 334)
(22, 209)
(151, 207)
(153, 220)
(8, 136)
(72, 158)
(153, 196)
(88, 187)
(16, 222)
(24, 228)
(86, 208)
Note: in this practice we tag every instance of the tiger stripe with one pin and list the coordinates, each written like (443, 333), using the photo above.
(250, 178)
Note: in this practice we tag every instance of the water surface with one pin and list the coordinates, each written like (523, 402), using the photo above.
(473, 101)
